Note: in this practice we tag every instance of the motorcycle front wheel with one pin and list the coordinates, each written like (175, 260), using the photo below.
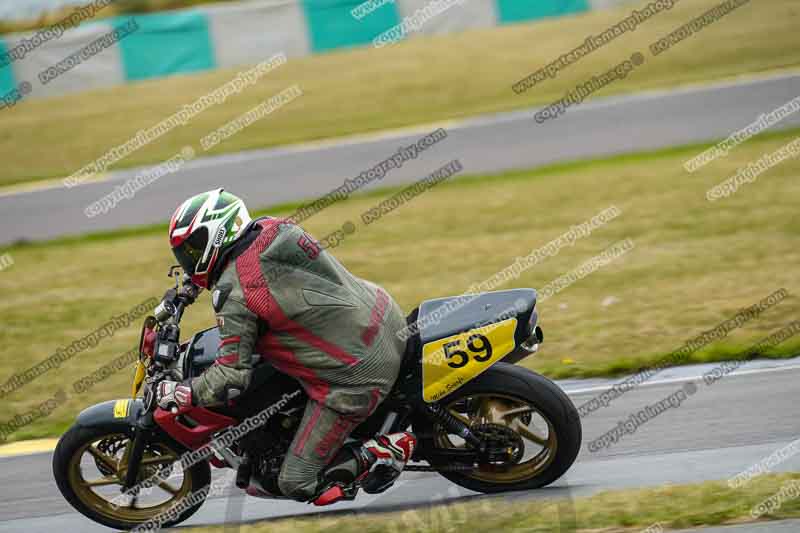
(90, 466)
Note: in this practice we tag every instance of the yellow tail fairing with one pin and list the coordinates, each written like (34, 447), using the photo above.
(449, 363)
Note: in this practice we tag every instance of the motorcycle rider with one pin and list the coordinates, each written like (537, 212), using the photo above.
(277, 294)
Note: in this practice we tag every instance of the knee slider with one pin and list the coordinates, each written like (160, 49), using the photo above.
(300, 490)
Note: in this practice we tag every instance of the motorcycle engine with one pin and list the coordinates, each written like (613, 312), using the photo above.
(266, 448)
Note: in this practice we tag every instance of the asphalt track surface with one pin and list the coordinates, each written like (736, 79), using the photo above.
(486, 144)
(716, 433)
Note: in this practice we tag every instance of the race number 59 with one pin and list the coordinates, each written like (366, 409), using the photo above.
(477, 346)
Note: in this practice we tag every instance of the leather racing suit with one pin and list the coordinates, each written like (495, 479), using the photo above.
(281, 296)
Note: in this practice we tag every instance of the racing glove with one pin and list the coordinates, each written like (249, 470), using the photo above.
(171, 393)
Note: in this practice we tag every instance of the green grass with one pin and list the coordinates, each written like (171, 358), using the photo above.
(414, 82)
(695, 265)
(672, 507)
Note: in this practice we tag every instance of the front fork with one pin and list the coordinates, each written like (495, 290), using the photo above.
(143, 430)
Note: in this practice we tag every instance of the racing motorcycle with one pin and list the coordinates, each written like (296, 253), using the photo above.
(481, 421)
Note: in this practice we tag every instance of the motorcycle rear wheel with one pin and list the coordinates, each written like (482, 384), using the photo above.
(82, 450)
(512, 405)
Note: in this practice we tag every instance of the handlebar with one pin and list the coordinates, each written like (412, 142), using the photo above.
(176, 300)
(168, 315)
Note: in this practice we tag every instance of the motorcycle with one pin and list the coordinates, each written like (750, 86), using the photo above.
(481, 421)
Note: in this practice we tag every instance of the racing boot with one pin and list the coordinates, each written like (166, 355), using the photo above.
(373, 466)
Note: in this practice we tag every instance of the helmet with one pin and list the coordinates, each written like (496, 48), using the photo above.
(202, 228)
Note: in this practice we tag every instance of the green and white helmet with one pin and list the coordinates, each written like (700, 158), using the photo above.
(202, 228)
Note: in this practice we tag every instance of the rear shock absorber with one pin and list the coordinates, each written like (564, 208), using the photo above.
(455, 426)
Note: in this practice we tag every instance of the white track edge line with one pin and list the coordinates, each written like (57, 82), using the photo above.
(680, 380)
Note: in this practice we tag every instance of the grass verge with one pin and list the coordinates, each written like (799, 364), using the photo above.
(670, 507)
(694, 265)
(418, 81)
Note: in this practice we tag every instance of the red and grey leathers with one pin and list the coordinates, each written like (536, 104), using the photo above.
(295, 305)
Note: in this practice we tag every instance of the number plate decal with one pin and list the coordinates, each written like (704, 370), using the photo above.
(121, 408)
(449, 363)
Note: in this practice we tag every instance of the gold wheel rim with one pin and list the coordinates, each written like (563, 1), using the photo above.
(509, 412)
(129, 509)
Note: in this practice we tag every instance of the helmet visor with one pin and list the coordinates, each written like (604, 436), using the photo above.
(190, 252)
